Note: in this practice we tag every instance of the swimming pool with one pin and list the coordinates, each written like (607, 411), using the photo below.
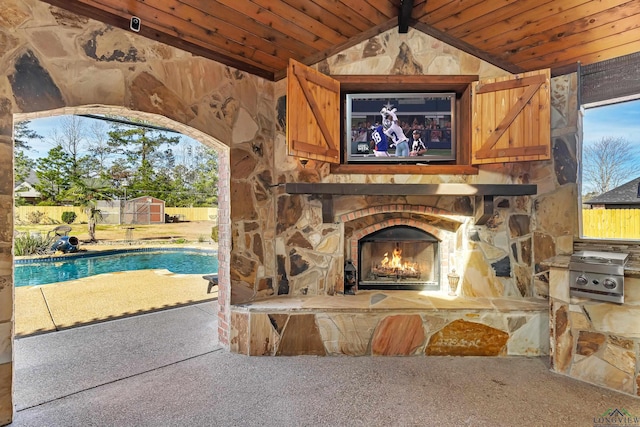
(60, 269)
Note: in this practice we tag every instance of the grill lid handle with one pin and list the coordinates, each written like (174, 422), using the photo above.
(595, 259)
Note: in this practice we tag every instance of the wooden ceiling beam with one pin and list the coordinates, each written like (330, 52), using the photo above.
(404, 17)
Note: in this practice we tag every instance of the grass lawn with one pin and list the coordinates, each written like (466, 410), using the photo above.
(191, 231)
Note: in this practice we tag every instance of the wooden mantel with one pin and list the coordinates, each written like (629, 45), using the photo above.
(484, 204)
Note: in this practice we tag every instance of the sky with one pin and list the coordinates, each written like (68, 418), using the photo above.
(47, 126)
(621, 120)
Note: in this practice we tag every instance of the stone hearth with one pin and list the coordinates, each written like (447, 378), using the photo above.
(391, 323)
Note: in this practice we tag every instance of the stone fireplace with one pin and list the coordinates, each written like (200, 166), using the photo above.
(401, 247)
(399, 257)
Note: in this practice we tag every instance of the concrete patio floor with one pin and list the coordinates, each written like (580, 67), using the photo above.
(167, 369)
(57, 306)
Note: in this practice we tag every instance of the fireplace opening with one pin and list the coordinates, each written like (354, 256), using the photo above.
(399, 257)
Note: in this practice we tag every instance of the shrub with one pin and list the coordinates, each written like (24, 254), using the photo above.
(35, 217)
(214, 234)
(32, 244)
(202, 238)
(68, 217)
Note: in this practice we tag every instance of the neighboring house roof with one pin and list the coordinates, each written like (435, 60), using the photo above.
(626, 194)
(32, 178)
(26, 190)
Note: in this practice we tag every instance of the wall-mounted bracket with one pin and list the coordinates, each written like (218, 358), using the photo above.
(484, 209)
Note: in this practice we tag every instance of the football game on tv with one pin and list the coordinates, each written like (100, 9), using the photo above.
(400, 127)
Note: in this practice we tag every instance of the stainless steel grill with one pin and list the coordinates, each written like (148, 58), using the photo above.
(598, 275)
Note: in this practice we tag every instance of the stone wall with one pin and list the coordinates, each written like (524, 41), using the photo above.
(593, 341)
(54, 62)
(501, 258)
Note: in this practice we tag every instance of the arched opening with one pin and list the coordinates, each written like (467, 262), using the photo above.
(222, 221)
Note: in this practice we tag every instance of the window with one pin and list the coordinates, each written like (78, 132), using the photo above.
(609, 94)
(610, 181)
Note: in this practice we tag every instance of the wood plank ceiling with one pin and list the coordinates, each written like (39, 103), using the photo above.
(259, 36)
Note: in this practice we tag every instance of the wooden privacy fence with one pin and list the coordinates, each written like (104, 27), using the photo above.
(611, 223)
(55, 213)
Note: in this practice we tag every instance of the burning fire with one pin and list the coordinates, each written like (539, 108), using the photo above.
(395, 263)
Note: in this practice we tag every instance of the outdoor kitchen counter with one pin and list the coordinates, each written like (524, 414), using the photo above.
(592, 340)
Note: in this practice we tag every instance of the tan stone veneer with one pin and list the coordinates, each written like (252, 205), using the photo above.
(596, 342)
(272, 243)
(391, 323)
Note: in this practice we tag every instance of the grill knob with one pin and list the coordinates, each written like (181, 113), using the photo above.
(609, 283)
(581, 280)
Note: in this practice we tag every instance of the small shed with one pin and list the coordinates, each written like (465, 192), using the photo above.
(143, 210)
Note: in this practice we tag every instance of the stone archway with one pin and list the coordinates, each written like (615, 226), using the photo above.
(223, 179)
(55, 62)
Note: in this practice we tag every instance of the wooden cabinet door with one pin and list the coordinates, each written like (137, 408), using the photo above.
(511, 118)
(313, 114)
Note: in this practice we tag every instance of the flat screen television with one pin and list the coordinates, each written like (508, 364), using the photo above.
(372, 135)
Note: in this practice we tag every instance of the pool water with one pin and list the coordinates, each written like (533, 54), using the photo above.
(63, 269)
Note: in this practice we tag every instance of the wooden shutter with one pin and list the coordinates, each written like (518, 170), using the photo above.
(313, 114)
(511, 118)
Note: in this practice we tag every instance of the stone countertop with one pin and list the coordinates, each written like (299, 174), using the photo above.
(558, 261)
(367, 301)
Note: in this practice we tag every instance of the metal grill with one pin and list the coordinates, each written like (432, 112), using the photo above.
(598, 275)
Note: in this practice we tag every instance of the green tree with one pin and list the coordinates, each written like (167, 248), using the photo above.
(54, 175)
(22, 133)
(88, 192)
(205, 185)
(140, 148)
(23, 164)
(72, 137)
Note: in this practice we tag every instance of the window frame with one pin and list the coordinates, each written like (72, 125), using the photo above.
(600, 103)
(458, 84)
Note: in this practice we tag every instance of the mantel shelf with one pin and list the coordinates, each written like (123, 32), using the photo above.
(342, 189)
(484, 206)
